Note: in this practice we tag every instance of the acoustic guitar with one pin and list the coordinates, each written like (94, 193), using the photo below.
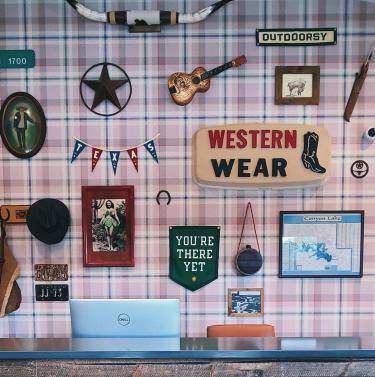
(183, 86)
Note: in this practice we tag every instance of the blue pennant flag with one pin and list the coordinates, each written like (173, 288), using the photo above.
(78, 148)
(150, 146)
(115, 156)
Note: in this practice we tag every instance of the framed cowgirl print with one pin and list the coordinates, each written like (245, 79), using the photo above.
(108, 226)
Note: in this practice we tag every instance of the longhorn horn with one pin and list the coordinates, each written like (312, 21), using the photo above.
(88, 13)
(191, 18)
(146, 17)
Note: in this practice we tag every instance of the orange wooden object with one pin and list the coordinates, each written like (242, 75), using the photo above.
(183, 86)
(17, 213)
(241, 331)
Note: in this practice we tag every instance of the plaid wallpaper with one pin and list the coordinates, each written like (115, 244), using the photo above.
(66, 45)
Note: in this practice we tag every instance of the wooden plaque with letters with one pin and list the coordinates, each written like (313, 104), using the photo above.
(261, 155)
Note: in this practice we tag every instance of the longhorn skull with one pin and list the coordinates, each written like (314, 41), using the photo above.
(146, 20)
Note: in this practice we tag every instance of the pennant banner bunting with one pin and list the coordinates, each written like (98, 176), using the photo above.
(80, 145)
(150, 146)
(114, 160)
(133, 154)
(96, 153)
(78, 148)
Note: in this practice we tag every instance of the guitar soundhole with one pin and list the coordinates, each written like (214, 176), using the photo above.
(196, 80)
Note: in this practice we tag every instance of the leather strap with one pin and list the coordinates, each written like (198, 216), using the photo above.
(3, 234)
(243, 226)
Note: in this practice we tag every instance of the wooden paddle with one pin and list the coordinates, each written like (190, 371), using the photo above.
(10, 293)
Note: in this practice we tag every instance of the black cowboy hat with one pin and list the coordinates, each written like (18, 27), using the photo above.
(48, 220)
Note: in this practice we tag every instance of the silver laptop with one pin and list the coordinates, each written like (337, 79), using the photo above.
(107, 318)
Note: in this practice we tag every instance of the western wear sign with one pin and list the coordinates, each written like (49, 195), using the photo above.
(194, 255)
(261, 155)
(296, 37)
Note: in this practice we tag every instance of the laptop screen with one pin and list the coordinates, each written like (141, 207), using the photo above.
(111, 318)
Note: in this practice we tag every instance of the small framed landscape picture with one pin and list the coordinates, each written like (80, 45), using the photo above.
(297, 85)
(321, 244)
(245, 302)
(108, 226)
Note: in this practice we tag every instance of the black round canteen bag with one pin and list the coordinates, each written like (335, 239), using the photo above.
(249, 261)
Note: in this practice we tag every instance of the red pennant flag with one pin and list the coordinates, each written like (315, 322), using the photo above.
(96, 153)
(133, 154)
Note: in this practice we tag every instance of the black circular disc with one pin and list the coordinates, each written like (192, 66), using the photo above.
(249, 261)
(126, 77)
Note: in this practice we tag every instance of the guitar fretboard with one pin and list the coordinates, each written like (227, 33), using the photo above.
(216, 71)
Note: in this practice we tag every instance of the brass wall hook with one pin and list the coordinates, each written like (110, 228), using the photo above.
(17, 213)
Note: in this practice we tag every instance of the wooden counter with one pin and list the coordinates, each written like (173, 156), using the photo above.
(198, 357)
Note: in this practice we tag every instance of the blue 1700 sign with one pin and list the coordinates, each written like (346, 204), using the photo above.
(17, 58)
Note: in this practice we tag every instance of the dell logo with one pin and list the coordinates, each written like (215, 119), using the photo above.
(123, 319)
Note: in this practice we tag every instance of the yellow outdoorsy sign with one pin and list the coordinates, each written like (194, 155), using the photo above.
(261, 155)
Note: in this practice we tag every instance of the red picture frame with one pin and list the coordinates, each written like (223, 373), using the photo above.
(108, 226)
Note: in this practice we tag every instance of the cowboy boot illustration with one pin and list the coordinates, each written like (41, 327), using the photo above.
(305, 152)
(320, 169)
(309, 156)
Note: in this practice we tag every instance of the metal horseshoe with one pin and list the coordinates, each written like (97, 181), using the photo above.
(163, 192)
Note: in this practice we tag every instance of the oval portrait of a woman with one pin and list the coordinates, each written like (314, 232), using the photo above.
(22, 125)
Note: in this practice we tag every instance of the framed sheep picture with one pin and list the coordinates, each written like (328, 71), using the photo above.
(297, 85)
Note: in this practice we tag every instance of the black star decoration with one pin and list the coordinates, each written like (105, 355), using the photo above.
(105, 88)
